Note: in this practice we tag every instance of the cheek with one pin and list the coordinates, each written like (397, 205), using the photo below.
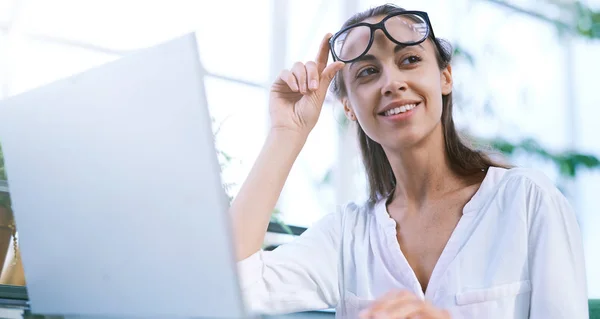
(430, 90)
(429, 82)
(364, 98)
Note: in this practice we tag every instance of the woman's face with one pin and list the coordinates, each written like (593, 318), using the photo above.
(395, 92)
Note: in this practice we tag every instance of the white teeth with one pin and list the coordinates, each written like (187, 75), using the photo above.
(400, 109)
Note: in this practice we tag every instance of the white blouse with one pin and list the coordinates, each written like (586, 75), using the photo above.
(516, 252)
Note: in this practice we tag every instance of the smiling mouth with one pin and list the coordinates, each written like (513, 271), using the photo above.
(399, 110)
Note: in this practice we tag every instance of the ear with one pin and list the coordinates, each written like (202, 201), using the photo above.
(348, 109)
(446, 80)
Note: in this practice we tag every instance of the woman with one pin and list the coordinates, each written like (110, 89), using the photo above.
(447, 233)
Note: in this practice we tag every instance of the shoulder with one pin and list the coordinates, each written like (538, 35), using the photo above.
(526, 182)
(532, 190)
(351, 213)
(530, 177)
(344, 220)
(360, 218)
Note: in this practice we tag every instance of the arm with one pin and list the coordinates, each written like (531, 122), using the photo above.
(298, 276)
(556, 260)
(295, 104)
(256, 199)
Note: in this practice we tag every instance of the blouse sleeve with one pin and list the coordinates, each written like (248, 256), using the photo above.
(296, 276)
(556, 260)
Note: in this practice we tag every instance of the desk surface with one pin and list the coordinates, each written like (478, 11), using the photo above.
(13, 314)
(13, 305)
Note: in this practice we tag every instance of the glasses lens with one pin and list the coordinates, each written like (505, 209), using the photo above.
(352, 43)
(407, 28)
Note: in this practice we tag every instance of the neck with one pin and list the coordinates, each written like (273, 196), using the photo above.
(423, 171)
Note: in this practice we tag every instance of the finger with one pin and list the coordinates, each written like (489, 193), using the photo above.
(388, 301)
(312, 75)
(444, 314)
(299, 71)
(407, 309)
(430, 311)
(288, 77)
(323, 54)
(328, 74)
(403, 304)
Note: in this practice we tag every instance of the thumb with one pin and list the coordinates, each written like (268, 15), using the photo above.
(328, 75)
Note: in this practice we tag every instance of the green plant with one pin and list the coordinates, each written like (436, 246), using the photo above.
(588, 20)
(275, 215)
(276, 218)
(568, 162)
(2, 170)
(224, 160)
(4, 197)
(585, 21)
(586, 24)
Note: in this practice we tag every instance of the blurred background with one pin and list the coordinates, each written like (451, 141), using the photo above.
(526, 82)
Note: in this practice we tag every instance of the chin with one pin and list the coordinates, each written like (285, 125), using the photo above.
(419, 135)
(406, 140)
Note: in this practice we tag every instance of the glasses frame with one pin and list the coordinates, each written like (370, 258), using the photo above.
(381, 26)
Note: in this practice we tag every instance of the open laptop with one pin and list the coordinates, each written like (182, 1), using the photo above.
(116, 190)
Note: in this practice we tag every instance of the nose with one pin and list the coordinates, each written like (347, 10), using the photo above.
(394, 83)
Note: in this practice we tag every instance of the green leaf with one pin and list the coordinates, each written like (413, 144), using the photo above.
(2, 170)
(5, 201)
(567, 162)
(275, 219)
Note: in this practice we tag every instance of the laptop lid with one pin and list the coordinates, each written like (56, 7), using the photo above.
(116, 190)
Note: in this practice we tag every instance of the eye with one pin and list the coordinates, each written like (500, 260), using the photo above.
(413, 59)
(366, 72)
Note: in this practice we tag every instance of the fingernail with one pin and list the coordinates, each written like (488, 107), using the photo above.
(313, 84)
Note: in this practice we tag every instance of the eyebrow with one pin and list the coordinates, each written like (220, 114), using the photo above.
(400, 47)
(370, 57)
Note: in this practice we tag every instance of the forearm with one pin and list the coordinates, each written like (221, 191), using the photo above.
(252, 207)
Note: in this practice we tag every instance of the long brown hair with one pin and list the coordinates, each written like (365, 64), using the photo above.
(464, 160)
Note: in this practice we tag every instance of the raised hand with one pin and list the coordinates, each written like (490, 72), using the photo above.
(297, 95)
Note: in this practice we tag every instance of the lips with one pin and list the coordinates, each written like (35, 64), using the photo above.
(398, 107)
